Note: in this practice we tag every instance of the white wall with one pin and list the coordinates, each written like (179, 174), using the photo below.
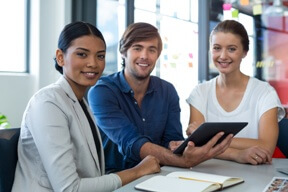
(48, 17)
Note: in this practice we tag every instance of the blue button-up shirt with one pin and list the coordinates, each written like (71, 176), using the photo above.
(125, 127)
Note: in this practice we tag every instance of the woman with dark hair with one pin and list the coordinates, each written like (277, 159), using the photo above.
(60, 148)
(234, 96)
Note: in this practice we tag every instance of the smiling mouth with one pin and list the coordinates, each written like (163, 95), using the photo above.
(224, 64)
(90, 74)
(143, 64)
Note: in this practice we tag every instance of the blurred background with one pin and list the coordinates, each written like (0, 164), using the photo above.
(30, 30)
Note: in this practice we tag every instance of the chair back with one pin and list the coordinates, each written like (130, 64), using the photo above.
(8, 158)
(281, 150)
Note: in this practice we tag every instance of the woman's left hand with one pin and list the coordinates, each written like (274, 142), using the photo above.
(191, 128)
(174, 144)
(254, 155)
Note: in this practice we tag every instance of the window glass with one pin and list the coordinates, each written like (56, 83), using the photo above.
(175, 9)
(248, 63)
(178, 62)
(194, 11)
(179, 59)
(148, 5)
(12, 36)
(145, 16)
(111, 22)
(274, 63)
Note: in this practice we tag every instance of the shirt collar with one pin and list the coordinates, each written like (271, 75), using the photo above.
(125, 87)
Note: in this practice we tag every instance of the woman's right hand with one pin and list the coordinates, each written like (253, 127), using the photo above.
(148, 165)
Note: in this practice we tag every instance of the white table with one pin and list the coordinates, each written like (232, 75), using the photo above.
(256, 176)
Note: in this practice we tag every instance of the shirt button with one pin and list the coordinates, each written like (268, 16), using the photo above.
(135, 102)
(143, 119)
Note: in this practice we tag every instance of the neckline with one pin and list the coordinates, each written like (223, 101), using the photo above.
(244, 98)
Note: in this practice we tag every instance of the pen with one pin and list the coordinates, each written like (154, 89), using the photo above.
(187, 178)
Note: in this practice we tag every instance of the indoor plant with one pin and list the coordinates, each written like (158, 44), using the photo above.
(4, 123)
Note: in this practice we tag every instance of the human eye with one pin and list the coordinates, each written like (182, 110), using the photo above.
(231, 49)
(136, 48)
(153, 50)
(216, 48)
(81, 54)
(101, 56)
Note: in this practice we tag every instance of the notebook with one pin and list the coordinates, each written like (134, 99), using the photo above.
(187, 181)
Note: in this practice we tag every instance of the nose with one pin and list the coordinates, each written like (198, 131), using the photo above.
(223, 54)
(92, 62)
(144, 54)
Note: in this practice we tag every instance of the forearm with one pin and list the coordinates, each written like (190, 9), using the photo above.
(244, 143)
(165, 156)
(230, 154)
(128, 175)
(148, 165)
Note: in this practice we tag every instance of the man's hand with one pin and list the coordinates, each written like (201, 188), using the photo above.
(194, 155)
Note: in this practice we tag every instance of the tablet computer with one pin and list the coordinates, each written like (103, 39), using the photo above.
(207, 130)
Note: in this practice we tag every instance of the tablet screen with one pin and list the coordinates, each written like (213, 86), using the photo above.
(207, 130)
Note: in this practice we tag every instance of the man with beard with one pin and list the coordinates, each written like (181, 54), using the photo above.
(139, 114)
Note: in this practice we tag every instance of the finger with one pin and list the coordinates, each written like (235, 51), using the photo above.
(174, 144)
(191, 128)
(225, 143)
(259, 159)
(190, 146)
(214, 140)
(265, 156)
(157, 160)
(253, 160)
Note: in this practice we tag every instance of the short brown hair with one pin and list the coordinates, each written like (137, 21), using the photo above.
(139, 32)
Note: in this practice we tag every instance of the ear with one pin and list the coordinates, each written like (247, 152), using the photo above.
(60, 57)
(244, 54)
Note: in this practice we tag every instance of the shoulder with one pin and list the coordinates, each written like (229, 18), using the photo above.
(115, 80)
(261, 91)
(157, 83)
(49, 92)
(108, 87)
(206, 86)
(260, 85)
(59, 93)
(52, 93)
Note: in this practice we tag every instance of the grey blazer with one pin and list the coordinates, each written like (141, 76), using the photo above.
(56, 148)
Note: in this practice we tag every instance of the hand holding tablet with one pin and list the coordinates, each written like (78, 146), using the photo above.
(207, 130)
